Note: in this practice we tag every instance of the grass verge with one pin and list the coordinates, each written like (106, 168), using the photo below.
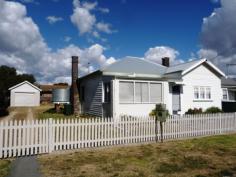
(209, 156)
(4, 167)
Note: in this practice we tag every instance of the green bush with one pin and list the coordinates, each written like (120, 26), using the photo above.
(213, 110)
(194, 111)
(153, 113)
(3, 112)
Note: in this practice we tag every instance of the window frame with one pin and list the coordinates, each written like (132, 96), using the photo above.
(134, 96)
(104, 92)
(199, 92)
(227, 94)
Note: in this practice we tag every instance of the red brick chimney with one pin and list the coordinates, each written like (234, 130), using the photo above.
(74, 85)
(166, 61)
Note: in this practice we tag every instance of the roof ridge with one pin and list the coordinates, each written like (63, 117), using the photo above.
(187, 62)
(141, 58)
(24, 82)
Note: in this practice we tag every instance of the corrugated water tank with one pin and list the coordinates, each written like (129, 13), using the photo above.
(61, 95)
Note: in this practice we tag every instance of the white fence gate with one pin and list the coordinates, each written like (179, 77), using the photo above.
(20, 138)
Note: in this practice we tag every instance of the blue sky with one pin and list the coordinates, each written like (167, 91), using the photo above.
(139, 24)
(39, 37)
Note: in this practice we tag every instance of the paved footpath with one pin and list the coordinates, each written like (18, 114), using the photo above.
(25, 167)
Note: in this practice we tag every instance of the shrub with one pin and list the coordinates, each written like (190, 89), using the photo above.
(194, 111)
(153, 113)
(213, 110)
(3, 112)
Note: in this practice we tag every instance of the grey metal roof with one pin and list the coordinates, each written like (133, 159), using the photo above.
(181, 67)
(134, 66)
(228, 82)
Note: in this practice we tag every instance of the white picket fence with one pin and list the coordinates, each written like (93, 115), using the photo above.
(21, 138)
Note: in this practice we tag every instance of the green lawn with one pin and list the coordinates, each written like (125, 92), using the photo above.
(4, 167)
(209, 156)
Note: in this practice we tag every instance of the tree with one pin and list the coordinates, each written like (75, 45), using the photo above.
(9, 78)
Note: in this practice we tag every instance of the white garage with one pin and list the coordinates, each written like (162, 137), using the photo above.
(24, 94)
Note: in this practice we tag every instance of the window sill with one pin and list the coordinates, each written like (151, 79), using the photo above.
(229, 100)
(140, 103)
(202, 100)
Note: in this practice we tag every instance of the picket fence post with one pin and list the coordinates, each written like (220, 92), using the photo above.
(50, 135)
(220, 124)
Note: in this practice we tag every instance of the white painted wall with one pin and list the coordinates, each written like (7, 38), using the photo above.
(24, 96)
(200, 76)
(136, 109)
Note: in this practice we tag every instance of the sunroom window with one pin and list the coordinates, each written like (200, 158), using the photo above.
(140, 92)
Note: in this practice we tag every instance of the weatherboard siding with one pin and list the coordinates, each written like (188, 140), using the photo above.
(93, 95)
(200, 76)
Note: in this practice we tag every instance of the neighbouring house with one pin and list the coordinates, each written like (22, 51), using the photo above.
(133, 86)
(24, 94)
(46, 92)
(229, 95)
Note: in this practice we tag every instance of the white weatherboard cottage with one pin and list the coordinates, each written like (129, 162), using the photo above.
(133, 86)
(24, 94)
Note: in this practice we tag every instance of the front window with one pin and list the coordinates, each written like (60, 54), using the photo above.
(202, 93)
(140, 92)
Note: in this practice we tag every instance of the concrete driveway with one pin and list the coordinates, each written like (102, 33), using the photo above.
(19, 114)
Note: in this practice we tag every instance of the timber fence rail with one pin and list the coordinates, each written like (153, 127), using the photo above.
(22, 138)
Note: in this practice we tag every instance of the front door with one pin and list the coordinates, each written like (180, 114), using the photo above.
(176, 99)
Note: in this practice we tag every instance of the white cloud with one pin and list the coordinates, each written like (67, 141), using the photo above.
(156, 54)
(22, 46)
(103, 10)
(89, 5)
(86, 22)
(218, 37)
(53, 19)
(82, 18)
(30, 2)
(104, 27)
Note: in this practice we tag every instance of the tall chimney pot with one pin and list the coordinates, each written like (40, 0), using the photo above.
(74, 85)
(166, 61)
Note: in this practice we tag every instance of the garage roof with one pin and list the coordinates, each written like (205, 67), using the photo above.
(22, 83)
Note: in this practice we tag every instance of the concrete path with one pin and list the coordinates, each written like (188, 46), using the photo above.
(25, 167)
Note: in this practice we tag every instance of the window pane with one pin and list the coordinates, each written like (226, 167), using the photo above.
(208, 93)
(155, 93)
(141, 92)
(231, 95)
(126, 92)
(225, 94)
(138, 92)
(196, 93)
(145, 93)
(202, 93)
